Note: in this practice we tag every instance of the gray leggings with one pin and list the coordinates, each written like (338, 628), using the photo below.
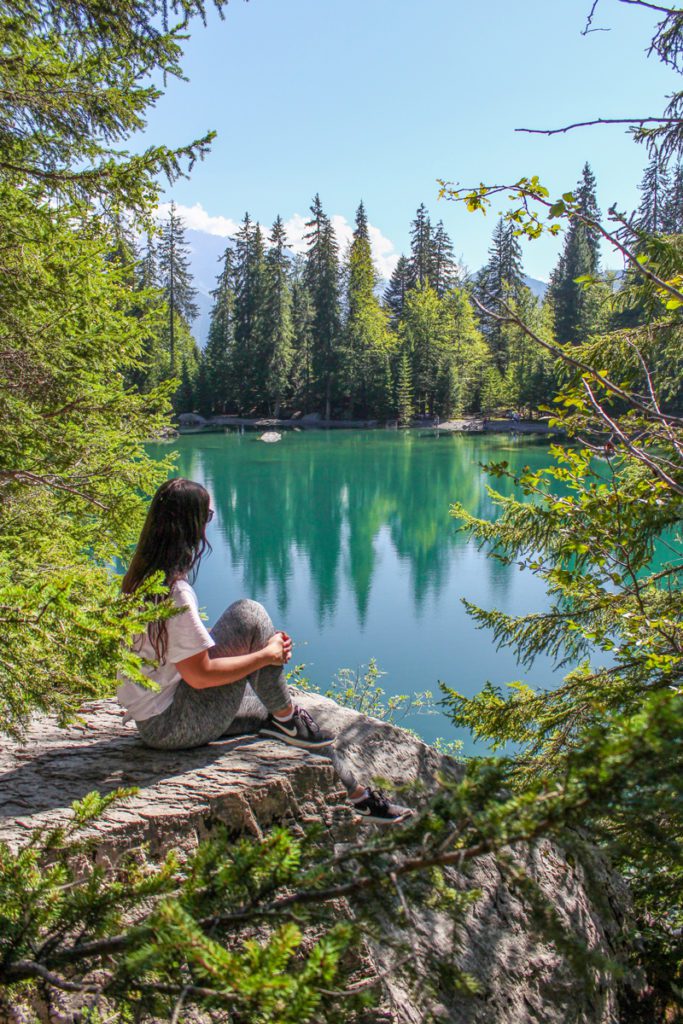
(197, 717)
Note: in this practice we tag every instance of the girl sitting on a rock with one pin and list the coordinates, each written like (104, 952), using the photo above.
(202, 676)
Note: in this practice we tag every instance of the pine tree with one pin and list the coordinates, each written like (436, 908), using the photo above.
(580, 256)
(322, 280)
(443, 272)
(151, 307)
(424, 334)
(176, 279)
(247, 365)
(672, 212)
(71, 422)
(421, 259)
(588, 207)
(124, 252)
(148, 267)
(491, 390)
(303, 316)
(654, 188)
(215, 387)
(503, 274)
(148, 301)
(500, 281)
(395, 292)
(278, 322)
(366, 338)
(404, 391)
(467, 355)
(183, 400)
(204, 389)
(529, 377)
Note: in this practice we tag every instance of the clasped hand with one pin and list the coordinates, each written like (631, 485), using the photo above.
(279, 648)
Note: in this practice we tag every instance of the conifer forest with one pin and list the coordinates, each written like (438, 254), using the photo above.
(317, 332)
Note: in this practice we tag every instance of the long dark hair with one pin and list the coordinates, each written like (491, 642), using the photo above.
(172, 541)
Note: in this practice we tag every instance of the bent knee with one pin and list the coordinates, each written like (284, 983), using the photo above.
(248, 609)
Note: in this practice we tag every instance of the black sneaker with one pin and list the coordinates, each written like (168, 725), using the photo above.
(375, 807)
(299, 731)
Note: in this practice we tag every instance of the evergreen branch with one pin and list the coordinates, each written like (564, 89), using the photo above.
(180, 1002)
(628, 562)
(638, 453)
(650, 385)
(599, 120)
(183, 992)
(62, 177)
(23, 476)
(26, 969)
(23, 970)
(669, 11)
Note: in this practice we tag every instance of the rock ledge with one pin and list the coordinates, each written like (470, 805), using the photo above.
(250, 783)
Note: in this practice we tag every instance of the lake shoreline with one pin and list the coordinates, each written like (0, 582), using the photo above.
(466, 425)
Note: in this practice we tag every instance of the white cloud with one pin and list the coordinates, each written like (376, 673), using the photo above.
(383, 252)
(196, 217)
(343, 231)
(383, 249)
(295, 229)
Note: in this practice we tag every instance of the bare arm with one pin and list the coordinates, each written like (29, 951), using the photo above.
(201, 671)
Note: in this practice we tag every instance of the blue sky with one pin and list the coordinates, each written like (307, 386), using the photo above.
(379, 98)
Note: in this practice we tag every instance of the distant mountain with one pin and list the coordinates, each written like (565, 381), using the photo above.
(205, 253)
(538, 288)
(200, 327)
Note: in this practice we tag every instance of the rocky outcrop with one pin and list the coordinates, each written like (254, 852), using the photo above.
(250, 784)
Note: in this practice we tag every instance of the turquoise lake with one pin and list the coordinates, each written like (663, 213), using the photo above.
(346, 538)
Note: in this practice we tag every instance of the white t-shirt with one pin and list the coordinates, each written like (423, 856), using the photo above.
(187, 635)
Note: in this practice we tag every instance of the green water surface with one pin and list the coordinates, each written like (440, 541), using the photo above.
(346, 538)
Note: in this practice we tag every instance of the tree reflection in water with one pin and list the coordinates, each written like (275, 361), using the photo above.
(348, 535)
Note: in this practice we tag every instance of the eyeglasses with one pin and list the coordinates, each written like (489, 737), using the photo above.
(210, 515)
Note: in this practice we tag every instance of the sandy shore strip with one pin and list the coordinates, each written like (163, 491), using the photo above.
(478, 426)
